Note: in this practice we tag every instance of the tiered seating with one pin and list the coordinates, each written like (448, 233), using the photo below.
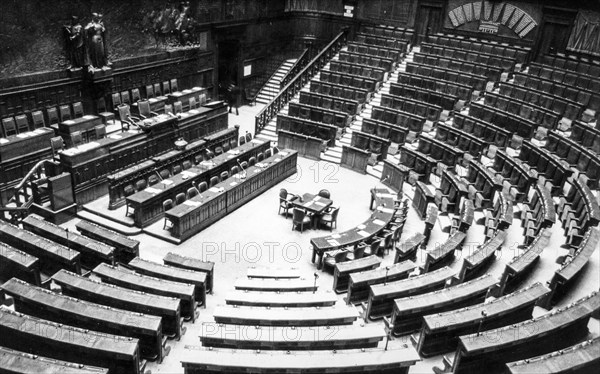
(338, 90)
(566, 76)
(574, 263)
(477, 262)
(420, 164)
(359, 282)
(407, 250)
(533, 113)
(444, 254)
(388, 31)
(478, 82)
(423, 199)
(343, 67)
(572, 63)
(327, 133)
(317, 114)
(18, 264)
(300, 316)
(83, 288)
(30, 334)
(431, 96)
(552, 170)
(440, 151)
(508, 120)
(586, 135)
(461, 139)
(575, 154)
(384, 41)
(578, 211)
(461, 91)
(382, 296)
(464, 219)
(409, 311)
(482, 185)
(499, 216)
(391, 56)
(519, 53)
(505, 63)
(450, 194)
(194, 264)
(125, 247)
(19, 362)
(440, 332)
(486, 131)
(410, 121)
(516, 176)
(490, 350)
(349, 80)
(280, 299)
(582, 357)
(429, 111)
(367, 60)
(539, 213)
(339, 104)
(343, 270)
(268, 285)
(478, 69)
(375, 145)
(546, 100)
(119, 276)
(42, 303)
(395, 133)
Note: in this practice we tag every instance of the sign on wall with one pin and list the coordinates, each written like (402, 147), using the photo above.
(491, 15)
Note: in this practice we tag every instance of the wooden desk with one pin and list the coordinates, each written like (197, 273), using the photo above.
(422, 197)
(179, 261)
(275, 273)
(126, 278)
(168, 308)
(280, 299)
(307, 146)
(171, 273)
(92, 252)
(42, 303)
(381, 296)
(16, 146)
(444, 254)
(25, 333)
(185, 95)
(256, 316)
(441, 331)
(285, 338)
(358, 285)
(314, 204)
(13, 361)
(52, 256)
(373, 360)
(215, 203)
(125, 247)
(476, 262)
(378, 221)
(343, 270)
(18, 264)
(407, 250)
(275, 285)
(408, 311)
(157, 104)
(148, 203)
(83, 124)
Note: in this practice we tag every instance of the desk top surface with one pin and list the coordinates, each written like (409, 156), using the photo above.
(20, 362)
(405, 285)
(190, 276)
(313, 203)
(26, 136)
(46, 245)
(15, 255)
(380, 273)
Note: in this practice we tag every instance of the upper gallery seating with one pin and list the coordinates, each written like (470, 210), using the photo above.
(519, 53)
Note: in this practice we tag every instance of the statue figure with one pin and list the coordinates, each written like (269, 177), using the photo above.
(97, 53)
(75, 43)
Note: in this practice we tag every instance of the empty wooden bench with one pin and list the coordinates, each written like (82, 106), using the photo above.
(280, 299)
(315, 316)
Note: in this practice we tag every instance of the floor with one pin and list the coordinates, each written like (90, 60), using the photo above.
(255, 235)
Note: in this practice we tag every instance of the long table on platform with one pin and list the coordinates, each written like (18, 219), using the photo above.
(379, 219)
(147, 203)
(195, 214)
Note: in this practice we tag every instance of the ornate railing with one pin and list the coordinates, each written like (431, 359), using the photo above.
(300, 64)
(296, 83)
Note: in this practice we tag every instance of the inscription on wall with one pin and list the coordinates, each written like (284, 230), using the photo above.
(491, 16)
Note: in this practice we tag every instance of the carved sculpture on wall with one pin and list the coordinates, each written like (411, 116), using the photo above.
(173, 25)
(97, 53)
(75, 43)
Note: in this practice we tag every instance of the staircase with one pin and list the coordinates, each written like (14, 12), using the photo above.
(272, 87)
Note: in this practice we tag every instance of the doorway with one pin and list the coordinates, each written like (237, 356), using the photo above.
(428, 21)
(555, 31)
(229, 57)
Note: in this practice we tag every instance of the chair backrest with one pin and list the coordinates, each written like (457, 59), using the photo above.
(116, 100)
(187, 164)
(179, 198)
(193, 103)
(244, 165)
(152, 180)
(252, 161)
(268, 153)
(144, 108)
(283, 193)
(22, 123)
(260, 157)
(202, 186)
(166, 87)
(167, 205)
(124, 112)
(141, 185)
(226, 146)
(224, 175)
(275, 150)
(135, 95)
(202, 98)
(125, 97)
(375, 247)
(57, 143)
(76, 138)
(208, 154)
(235, 170)
(157, 90)
(52, 114)
(101, 105)
(178, 107)
(78, 109)
(191, 192)
(164, 173)
(334, 214)
(8, 126)
(149, 91)
(242, 140)
(128, 190)
(38, 119)
(174, 86)
(100, 131)
(248, 136)
(214, 181)
(359, 250)
(177, 169)
(65, 112)
(299, 214)
(325, 193)
(218, 151)
(168, 108)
